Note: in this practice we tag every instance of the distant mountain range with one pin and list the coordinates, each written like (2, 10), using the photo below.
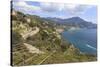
(74, 21)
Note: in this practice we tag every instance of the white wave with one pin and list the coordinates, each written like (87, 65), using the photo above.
(91, 47)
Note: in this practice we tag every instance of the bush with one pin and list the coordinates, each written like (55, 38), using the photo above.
(16, 37)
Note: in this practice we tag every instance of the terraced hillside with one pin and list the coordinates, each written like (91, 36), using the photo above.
(35, 41)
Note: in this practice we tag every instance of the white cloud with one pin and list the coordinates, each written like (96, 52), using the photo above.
(24, 7)
(70, 8)
(76, 9)
(50, 7)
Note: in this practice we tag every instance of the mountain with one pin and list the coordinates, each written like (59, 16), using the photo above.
(74, 21)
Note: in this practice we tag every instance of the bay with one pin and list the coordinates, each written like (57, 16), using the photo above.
(84, 39)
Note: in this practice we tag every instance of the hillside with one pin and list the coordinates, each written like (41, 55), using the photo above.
(74, 21)
(36, 41)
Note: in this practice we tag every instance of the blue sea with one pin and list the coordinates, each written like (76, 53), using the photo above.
(84, 39)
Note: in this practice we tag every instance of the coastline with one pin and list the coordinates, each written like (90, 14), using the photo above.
(79, 44)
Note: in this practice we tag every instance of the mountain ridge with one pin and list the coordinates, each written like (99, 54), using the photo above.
(74, 21)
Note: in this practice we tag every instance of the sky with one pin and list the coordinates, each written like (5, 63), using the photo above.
(58, 10)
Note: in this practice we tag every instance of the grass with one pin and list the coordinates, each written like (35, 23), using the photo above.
(21, 55)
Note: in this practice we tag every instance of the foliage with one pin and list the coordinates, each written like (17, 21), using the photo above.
(16, 38)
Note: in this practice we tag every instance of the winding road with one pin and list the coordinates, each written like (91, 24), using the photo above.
(31, 33)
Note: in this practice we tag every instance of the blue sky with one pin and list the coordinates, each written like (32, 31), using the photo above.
(58, 10)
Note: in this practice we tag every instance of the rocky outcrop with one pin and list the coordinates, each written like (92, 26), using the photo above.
(72, 50)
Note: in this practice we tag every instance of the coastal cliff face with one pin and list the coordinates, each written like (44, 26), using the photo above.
(37, 41)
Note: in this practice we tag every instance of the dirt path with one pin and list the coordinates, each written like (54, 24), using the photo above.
(33, 49)
(31, 33)
(46, 58)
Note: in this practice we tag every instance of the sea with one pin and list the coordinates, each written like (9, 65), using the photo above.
(83, 39)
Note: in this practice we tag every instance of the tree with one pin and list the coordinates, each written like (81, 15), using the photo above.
(16, 38)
